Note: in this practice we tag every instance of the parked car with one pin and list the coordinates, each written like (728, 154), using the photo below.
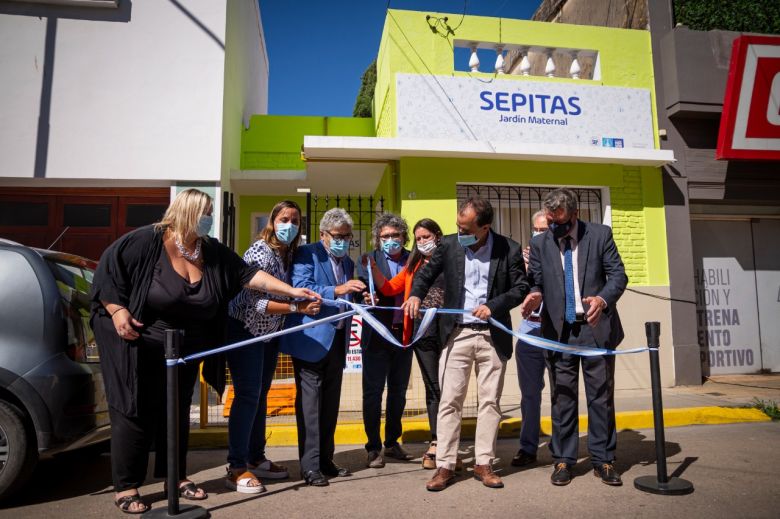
(51, 390)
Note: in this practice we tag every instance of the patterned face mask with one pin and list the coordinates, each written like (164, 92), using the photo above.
(427, 248)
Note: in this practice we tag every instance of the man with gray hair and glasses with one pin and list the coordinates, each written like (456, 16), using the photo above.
(319, 353)
(576, 269)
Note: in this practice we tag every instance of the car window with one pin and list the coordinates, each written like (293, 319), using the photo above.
(74, 283)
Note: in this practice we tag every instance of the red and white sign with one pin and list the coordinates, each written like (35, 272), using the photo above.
(355, 352)
(750, 124)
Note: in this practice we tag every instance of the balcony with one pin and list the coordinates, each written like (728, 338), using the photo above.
(528, 60)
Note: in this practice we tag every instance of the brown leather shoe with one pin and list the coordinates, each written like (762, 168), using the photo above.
(485, 474)
(441, 478)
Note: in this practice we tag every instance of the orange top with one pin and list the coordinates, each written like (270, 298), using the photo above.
(402, 282)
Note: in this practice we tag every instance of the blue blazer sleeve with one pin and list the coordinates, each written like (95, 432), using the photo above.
(304, 273)
(311, 269)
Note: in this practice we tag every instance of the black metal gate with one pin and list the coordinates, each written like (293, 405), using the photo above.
(513, 206)
(363, 209)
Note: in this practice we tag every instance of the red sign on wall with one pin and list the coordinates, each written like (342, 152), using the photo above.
(750, 124)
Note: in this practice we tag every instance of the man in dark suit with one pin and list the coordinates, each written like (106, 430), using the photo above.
(319, 353)
(384, 363)
(485, 274)
(576, 269)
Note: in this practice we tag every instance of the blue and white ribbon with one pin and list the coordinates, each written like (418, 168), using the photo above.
(429, 314)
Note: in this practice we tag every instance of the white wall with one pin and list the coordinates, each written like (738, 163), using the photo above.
(138, 99)
(246, 79)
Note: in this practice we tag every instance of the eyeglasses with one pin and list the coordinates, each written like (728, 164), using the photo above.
(391, 236)
(345, 237)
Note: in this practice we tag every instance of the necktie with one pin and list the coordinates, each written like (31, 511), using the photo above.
(568, 277)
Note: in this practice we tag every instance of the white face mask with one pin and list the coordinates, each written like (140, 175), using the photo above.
(427, 248)
(537, 233)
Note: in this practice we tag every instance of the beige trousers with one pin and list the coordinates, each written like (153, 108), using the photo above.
(465, 348)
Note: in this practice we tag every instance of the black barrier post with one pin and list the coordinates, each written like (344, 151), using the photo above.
(661, 483)
(172, 342)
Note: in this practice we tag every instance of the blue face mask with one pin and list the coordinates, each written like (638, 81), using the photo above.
(339, 248)
(467, 240)
(391, 247)
(204, 225)
(286, 232)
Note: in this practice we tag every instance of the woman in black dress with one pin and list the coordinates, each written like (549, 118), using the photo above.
(171, 275)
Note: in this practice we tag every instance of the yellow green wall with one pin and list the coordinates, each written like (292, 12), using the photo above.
(408, 46)
(636, 194)
(427, 188)
(274, 141)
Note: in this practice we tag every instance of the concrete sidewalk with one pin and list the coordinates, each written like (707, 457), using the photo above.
(722, 399)
(733, 468)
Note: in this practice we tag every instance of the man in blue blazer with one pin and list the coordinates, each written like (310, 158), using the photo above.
(319, 352)
(576, 269)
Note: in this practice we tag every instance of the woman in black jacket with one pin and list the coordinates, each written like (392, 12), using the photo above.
(167, 276)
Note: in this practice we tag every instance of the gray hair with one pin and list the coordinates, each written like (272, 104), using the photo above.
(333, 218)
(538, 214)
(561, 197)
(389, 220)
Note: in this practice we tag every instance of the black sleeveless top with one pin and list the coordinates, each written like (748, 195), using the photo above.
(173, 302)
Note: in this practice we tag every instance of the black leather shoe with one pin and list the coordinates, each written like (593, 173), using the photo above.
(608, 474)
(315, 478)
(334, 471)
(522, 459)
(561, 474)
(397, 452)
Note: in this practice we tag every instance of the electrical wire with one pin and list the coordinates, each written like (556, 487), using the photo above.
(662, 298)
(444, 90)
(463, 16)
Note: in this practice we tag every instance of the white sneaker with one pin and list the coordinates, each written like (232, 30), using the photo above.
(242, 483)
(267, 469)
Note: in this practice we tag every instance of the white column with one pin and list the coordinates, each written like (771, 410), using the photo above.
(549, 69)
(574, 70)
(474, 60)
(525, 63)
(499, 59)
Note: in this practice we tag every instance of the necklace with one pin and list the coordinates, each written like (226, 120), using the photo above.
(189, 256)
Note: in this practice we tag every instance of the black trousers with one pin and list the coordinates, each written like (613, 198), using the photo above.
(317, 399)
(132, 436)
(427, 350)
(385, 363)
(599, 377)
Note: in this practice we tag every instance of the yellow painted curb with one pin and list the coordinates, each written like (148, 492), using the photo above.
(417, 430)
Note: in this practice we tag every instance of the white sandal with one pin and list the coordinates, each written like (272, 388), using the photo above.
(241, 482)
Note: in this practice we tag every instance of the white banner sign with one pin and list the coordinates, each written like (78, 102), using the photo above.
(469, 108)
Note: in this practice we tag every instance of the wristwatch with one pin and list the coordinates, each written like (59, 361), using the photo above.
(293, 308)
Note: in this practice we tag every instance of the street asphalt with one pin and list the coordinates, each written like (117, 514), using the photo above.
(733, 467)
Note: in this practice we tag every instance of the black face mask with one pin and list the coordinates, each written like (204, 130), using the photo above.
(560, 230)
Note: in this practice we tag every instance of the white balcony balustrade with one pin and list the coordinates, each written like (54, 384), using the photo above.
(530, 60)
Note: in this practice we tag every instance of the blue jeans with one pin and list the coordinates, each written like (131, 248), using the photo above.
(252, 371)
(530, 374)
